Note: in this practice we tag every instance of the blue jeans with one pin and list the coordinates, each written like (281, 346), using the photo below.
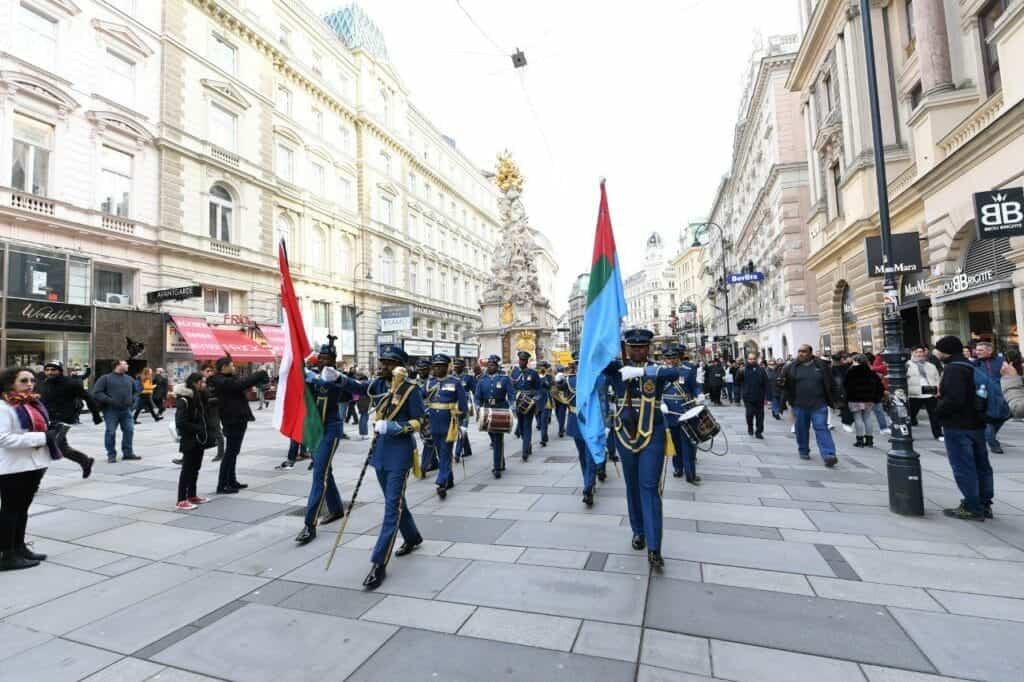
(968, 457)
(112, 418)
(776, 406)
(880, 415)
(324, 489)
(818, 418)
(364, 422)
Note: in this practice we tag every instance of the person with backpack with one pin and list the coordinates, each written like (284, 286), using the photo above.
(196, 433)
(961, 411)
(991, 364)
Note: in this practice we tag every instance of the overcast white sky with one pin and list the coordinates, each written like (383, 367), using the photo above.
(644, 93)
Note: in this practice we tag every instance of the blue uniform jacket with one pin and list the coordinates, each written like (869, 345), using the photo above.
(644, 393)
(494, 390)
(527, 381)
(396, 452)
(572, 426)
(546, 382)
(327, 395)
(678, 392)
(446, 391)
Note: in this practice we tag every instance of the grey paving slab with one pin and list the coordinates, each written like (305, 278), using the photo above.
(122, 566)
(86, 558)
(481, 659)
(608, 640)
(760, 580)
(876, 673)
(739, 529)
(554, 591)
(283, 556)
(232, 547)
(231, 508)
(197, 522)
(68, 524)
(650, 673)
(277, 591)
(745, 663)
(826, 627)
(924, 546)
(517, 627)
(480, 552)
(247, 645)
(14, 640)
(797, 504)
(562, 558)
(982, 606)
(675, 652)
(416, 575)
(635, 564)
(425, 614)
(55, 661)
(930, 527)
(968, 647)
(769, 555)
(25, 589)
(1000, 578)
(817, 538)
(552, 536)
(144, 622)
(102, 490)
(128, 670)
(149, 540)
(461, 529)
(159, 645)
(737, 513)
(873, 593)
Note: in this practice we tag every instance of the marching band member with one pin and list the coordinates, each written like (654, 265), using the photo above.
(399, 408)
(463, 448)
(558, 394)
(444, 409)
(494, 389)
(544, 405)
(640, 437)
(588, 467)
(526, 382)
(428, 452)
(675, 398)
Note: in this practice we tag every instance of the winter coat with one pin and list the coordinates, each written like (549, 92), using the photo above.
(60, 395)
(160, 388)
(863, 385)
(754, 382)
(192, 420)
(882, 370)
(116, 391)
(20, 450)
(955, 406)
(715, 376)
(789, 382)
(230, 391)
(915, 381)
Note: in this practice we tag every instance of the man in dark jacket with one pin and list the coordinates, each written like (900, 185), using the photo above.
(754, 385)
(991, 364)
(964, 428)
(841, 363)
(714, 379)
(235, 416)
(61, 396)
(115, 393)
(808, 388)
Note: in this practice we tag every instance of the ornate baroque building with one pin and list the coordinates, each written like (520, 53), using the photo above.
(651, 291)
(760, 206)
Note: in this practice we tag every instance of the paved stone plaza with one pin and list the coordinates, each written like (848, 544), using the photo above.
(776, 569)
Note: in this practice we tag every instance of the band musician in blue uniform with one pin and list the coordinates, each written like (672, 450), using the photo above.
(675, 398)
(428, 450)
(639, 427)
(463, 448)
(545, 404)
(558, 396)
(526, 384)
(588, 468)
(398, 404)
(494, 389)
(328, 387)
(445, 407)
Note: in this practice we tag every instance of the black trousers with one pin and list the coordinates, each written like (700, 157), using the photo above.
(145, 403)
(233, 435)
(191, 461)
(755, 413)
(16, 493)
(716, 394)
(929, 406)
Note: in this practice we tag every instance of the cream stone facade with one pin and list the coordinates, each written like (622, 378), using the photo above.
(760, 207)
(951, 89)
(691, 290)
(651, 292)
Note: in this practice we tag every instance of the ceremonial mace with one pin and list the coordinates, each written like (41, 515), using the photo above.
(398, 375)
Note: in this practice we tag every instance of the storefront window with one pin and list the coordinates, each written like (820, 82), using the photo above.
(34, 348)
(37, 276)
(78, 282)
(992, 317)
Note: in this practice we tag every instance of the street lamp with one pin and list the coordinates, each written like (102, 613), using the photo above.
(904, 466)
(355, 311)
(724, 284)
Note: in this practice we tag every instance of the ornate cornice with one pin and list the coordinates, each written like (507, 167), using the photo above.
(123, 36)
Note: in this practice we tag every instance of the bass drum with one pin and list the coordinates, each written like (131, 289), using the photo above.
(495, 420)
(699, 425)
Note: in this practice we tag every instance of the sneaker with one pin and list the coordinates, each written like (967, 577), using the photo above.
(805, 455)
(111, 460)
(184, 505)
(128, 457)
(198, 500)
(996, 447)
(287, 464)
(848, 428)
(963, 513)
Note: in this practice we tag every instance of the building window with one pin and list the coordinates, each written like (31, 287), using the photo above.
(343, 260)
(414, 279)
(387, 266)
(428, 282)
(116, 179)
(322, 314)
(412, 183)
(836, 187)
(285, 163)
(120, 77)
(221, 210)
(346, 140)
(284, 100)
(318, 122)
(316, 248)
(987, 19)
(223, 127)
(385, 163)
(826, 85)
(283, 232)
(36, 37)
(346, 192)
(223, 54)
(444, 286)
(430, 328)
(909, 13)
(37, 276)
(444, 331)
(414, 226)
(317, 180)
(126, 6)
(915, 95)
(30, 163)
(216, 301)
(385, 210)
(284, 36)
(112, 286)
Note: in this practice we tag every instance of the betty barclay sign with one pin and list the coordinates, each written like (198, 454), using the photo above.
(1000, 213)
(46, 315)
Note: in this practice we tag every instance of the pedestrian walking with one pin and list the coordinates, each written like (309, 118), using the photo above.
(494, 390)
(807, 385)
(729, 378)
(61, 396)
(715, 380)
(235, 416)
(1013, 389)
(214, 402)
(923, 388)
(701, 369)
(463, 448)
(963, 423)
(881, 368)
(774, 374)
(754, 390)
(195, 434)
(115, 393)
(144, 386)
(991, 365)
(863, 390)
(27, 446)
(447, 403)
(841, 363)
(160, 391)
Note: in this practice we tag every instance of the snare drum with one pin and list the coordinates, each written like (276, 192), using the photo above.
(699, 425)
(495, 420)
(525, 403)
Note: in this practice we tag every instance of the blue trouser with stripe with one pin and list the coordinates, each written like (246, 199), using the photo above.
(324, 489)
(642, 471)
(684, 459)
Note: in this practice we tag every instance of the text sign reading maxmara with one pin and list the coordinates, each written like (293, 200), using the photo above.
(1000, 213)
(177, 294)
(744, 277)
(47, 315)
(906, 254)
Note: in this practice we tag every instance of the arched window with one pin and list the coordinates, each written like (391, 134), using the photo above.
(387, 266)
(317, 242)
(343, 255)
(283, 230)
(222, 208)
(385, 163)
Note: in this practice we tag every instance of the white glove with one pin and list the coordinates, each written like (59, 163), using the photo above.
(631, 373)
(559, 377)
(380, 427)
(330, 374)
(664, 408)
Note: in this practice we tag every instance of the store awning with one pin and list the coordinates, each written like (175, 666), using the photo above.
(274, 335)
(198, 336)
(241, 348)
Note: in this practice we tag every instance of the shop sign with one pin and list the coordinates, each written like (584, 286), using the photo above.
(238, 320)
(48, 315)
(446, 347)
(687, 307)
(906, 254)
(418, 348)
(176, 294)
(963, 281)
(386, 338)
(1000, 213)
(747, 324)
(469, 350)
(744, 277)
(395, 318)
(176, 343)
(915, 287)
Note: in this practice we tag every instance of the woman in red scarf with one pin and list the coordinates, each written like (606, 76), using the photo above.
(26, 448)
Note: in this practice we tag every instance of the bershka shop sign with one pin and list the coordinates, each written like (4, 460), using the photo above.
(964, 281)
(48, 315)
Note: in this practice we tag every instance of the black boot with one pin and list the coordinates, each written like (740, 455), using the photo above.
(693, 479)
(677, 474)
(306, 536)
(87, 467)
(655, 560)
(331, 517)
(442, 491)
(27, 553)
(588, 498)
(859, 443)
(408, 548)
(869, 441)
(375, 577)
(638, 542)
(12, 561)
